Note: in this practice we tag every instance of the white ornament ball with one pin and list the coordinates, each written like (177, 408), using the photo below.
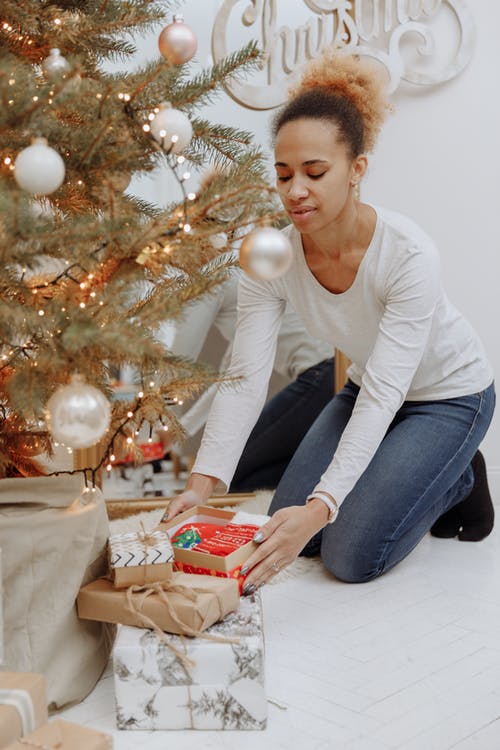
(55, 65)
(219, 240)
(265, 254)
(39, 169)
(172, 128)
(78, 414)
(177, 42)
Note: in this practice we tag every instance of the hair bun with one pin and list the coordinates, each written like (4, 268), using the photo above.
(358, 79)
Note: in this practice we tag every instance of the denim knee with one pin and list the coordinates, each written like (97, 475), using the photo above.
(349, 567)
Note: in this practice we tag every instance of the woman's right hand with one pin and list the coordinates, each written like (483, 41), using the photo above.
(187, 499)
(199, 487)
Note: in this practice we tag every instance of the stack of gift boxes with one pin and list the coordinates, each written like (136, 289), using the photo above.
(189, 652)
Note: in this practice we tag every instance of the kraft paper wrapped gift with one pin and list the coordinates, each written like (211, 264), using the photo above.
(23, 704)
(187, 604)
(64, 735)
(140, 557)
(223, 689)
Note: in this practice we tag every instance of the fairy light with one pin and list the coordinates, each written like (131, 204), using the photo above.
(108, 467)
(187, 228)
(186, 175)
(191, 196)
(7, 160)
(82, 285)
(174, 138)
(146, 128)
(112, 457)
(57, 21)
(130, 414)
(151, 116)
(165, 428)
(82, 305)
(140, 394)
(12, 81)
(41, 313)
(35, 98)
(126, 97)
(156, 110)
(129, 441)
(181, 159)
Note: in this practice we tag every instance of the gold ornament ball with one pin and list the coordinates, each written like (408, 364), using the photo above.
(177, 42)
(78, 414)
(265, 254)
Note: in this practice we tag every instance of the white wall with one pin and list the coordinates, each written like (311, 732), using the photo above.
(437, 161)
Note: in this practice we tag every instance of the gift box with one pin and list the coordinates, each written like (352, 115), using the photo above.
(140, 557)
(203, 563)
(223, 688)
(23, 704)
(187, 604)
(64, 735)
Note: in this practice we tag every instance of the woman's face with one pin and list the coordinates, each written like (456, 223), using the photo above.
(315, 173)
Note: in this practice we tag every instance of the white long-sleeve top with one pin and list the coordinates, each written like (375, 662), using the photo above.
(405, 339)
(296, 350)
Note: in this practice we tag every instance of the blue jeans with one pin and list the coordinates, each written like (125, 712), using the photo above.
(420, 470)
(282, 425)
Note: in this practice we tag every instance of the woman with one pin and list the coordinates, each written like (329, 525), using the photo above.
(394, 454)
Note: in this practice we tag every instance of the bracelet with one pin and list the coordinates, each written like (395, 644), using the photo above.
(328, 500)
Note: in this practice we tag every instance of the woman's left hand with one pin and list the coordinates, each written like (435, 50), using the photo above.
(283, 538)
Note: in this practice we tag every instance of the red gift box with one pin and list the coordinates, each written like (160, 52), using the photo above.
(205, 563)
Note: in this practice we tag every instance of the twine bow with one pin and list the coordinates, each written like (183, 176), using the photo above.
(136, 603)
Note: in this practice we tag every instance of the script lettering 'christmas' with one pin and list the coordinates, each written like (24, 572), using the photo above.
(377, 28)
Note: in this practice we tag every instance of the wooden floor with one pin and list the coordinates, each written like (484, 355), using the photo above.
(409, 661)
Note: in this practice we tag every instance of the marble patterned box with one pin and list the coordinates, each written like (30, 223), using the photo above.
(223, 690)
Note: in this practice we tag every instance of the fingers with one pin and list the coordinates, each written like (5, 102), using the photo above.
(175, 507)
(269, 528)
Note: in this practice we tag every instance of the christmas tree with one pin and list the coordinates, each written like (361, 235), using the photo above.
(88, 271)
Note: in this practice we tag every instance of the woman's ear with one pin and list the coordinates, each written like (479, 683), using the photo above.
(358, 169)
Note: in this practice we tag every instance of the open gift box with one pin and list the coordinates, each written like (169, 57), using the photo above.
(203, 563)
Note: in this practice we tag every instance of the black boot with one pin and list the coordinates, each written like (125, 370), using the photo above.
(472, 519)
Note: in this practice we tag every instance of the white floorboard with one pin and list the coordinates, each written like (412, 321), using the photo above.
(410, 661)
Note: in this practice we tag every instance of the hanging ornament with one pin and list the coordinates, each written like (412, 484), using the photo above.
(177, 42)
(55, 66)
(265, 254)
(38, 168)
(219, 240)
(78, 414)
(172, 128)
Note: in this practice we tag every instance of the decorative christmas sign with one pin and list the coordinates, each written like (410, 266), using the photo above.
(423, 42)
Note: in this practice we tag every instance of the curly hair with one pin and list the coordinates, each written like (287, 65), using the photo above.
(343, 89)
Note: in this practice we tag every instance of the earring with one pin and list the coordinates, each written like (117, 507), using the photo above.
(356, 190)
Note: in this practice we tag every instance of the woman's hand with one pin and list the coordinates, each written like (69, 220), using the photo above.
(187, 499)
(199, 487)
(283, 538)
